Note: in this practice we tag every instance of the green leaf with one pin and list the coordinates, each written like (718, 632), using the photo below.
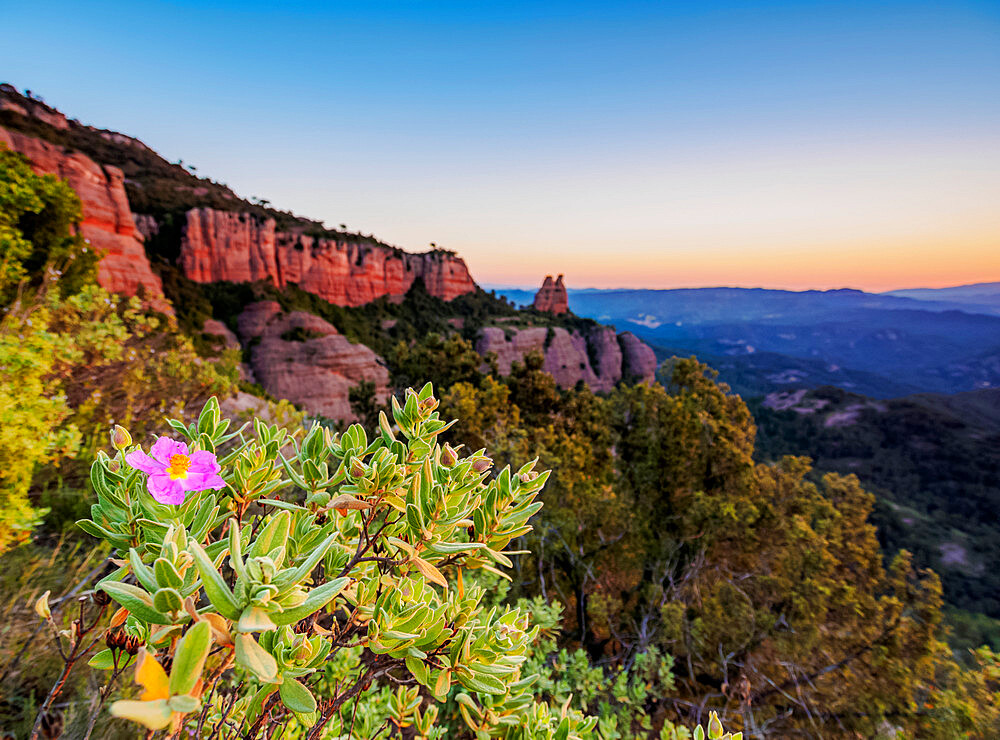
(166, 574)
(255, 619)
(280, 504)
(143, 573)
(218, 591)
(236, 550)
(168, 600)
(296, 697)
(714, 726)
(419, 670)
(184, 703)
(189, 658)
(273, 535)
(250, 655)
(94, 530)
(104, 660)
(562, 732)
(137, 601)
(316, 600)
(306, 566)
(483, 684)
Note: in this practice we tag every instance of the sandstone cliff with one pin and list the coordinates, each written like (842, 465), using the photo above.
(301, 357)
(552, 296)
(242, 247)
(598, 358)
(638, 358)
(107, 221)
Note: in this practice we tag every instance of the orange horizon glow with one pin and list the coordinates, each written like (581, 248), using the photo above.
(911, 263)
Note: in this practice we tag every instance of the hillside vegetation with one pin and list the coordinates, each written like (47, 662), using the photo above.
(933, 461)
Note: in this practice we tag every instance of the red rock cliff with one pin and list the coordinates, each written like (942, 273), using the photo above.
(552, 296)
(595, 357)
(240, 247)
(107, 221)
(315, 368)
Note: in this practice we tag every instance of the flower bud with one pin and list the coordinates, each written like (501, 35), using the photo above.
(132, 644)
(448, 456)
(357, 469)
(120, 438)
(115, 638)
(482, 464)
(42, 606)
(100, 598)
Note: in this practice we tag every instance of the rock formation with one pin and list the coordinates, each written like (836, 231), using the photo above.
(240, 247)
(598, 358)
(301, 357)
(638, 358)
(107, 221)
(552, 296)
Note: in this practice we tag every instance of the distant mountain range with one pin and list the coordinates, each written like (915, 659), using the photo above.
(880, 344)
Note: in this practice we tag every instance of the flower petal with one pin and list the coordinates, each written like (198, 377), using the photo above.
(141, 461)
(202, 461)
(165, 489)
(202, 481)
(165, 448)
(203, 473)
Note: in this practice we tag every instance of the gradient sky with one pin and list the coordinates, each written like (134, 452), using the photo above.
(624, 144)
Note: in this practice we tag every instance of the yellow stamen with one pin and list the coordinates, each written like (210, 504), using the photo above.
(178, 468)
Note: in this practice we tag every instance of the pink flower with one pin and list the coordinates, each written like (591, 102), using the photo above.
(173, 471)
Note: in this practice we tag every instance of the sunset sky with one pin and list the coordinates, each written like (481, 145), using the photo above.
(795, 145)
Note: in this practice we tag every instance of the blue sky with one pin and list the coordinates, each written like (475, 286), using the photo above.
(642, 144)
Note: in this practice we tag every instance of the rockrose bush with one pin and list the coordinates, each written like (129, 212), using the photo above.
(263, 579)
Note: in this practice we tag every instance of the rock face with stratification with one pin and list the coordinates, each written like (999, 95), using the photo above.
(598, 357)
(552, 296)
(241, 247)
(107, 220)
(301, 357)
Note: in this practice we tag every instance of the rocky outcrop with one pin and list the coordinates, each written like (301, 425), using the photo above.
(12, 100)
(107, 221)
(598, 358)
(240, 247)
(301, 357)
(638, 359)
(552, 296)
(225, 339)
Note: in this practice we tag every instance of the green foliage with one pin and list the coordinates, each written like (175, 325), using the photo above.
(38, 217)
(935, 468)
(301, 334)
(362, 555)
(662, 535)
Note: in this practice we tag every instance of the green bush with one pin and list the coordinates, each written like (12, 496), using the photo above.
(321, 570)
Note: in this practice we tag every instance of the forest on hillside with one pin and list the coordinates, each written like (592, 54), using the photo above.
(652, 566)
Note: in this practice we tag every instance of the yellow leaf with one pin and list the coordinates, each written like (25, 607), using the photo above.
(153, 714)
(430, 572)
(220, 628)
(119, 618)
(343, 502)
(150, 675)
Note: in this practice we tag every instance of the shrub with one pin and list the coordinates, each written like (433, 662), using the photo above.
(320, 572)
